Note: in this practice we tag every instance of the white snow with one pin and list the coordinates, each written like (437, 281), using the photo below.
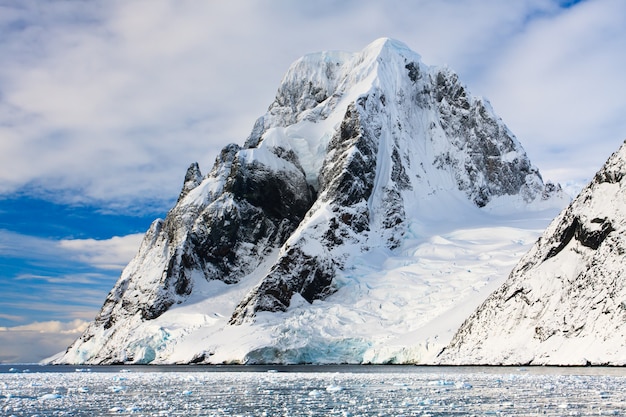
(398, 307)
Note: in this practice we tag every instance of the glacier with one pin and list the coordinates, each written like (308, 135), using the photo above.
(371, 209)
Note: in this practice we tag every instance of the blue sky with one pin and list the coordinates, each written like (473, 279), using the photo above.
(104, 104)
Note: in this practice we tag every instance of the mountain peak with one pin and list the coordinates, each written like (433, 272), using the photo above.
(385, 45)
(356, 158)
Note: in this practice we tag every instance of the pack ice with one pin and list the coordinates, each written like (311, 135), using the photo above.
(371, 209)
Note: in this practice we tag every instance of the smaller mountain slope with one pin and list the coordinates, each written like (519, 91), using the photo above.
(565, 301)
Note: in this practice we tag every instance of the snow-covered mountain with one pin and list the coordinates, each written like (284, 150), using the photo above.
(310, 243)
(565, 301)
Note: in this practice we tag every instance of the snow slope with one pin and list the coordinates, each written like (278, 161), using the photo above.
(565, 301)
(371, 208)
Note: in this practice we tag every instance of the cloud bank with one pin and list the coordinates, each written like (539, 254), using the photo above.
(110, 101)
(112, 253)
(37, 341)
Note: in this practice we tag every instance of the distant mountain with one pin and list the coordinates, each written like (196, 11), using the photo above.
(359, 155)
(565, 301)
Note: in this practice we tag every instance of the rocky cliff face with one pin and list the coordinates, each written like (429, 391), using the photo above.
(353, 148)
(565, 302)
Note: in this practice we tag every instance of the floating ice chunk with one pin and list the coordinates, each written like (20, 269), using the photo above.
(463, 385)
(187, 392)
(117, 388)
(334, 388)
(50, 396)
(83, 390)
(441, 382)
(315, 393)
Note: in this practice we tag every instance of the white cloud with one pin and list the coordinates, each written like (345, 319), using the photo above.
(112, 253)
(64, 279)
(11, 317)
(74, 327)
(115, 109)
(16, 245)
(37, 341)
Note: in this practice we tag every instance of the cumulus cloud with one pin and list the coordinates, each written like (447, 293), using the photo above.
(112, 253)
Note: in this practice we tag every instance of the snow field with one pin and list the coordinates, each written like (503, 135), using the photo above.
(390, 307)
(368, 391)
(404, 308)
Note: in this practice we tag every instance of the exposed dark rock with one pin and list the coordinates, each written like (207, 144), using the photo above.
(398, 172)
(193, 178)
(296, 272)
(346, 182)
(414, 73)
(488, 172)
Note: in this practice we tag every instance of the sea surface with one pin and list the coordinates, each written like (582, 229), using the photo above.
(34, 390)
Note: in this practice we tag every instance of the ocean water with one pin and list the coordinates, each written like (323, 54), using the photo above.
(310, 391)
